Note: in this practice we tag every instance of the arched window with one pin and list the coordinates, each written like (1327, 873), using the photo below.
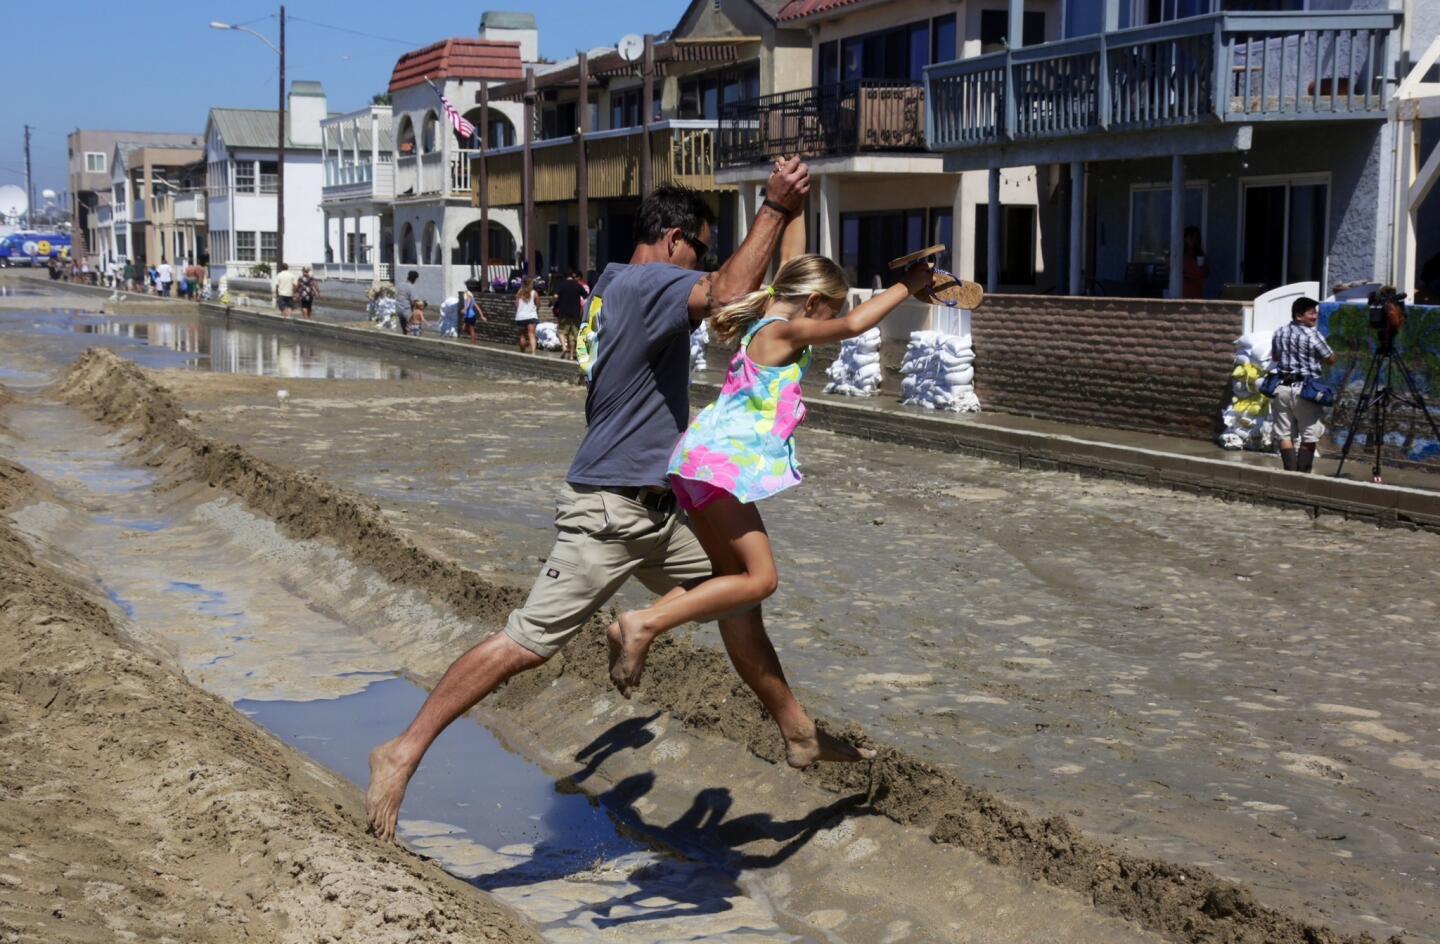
(500, 130)
(430, 134)
(430, 245)
(407, 245)
(406, 140)
(501, 245)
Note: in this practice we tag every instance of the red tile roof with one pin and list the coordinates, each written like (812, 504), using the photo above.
(458, 59)
(798, 9)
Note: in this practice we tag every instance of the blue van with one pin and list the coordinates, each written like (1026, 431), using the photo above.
(30, 249)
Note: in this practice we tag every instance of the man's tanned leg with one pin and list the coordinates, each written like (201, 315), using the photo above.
(473, 676)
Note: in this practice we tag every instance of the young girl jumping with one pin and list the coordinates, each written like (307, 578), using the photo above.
(741, 448)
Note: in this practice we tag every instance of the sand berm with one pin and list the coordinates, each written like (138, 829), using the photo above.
(695, 685)
(134, 806)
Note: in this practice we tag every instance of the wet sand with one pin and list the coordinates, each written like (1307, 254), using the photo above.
(1240, 688)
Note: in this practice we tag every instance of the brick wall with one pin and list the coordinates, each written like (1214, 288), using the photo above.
(1146, 364)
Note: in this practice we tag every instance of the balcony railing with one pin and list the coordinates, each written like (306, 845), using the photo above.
(190, 206)
(681, 152)
(1235, 67)
(825, 121)
(431, 175)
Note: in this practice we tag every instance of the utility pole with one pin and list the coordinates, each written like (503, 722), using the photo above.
(280, 164)
(29, 188)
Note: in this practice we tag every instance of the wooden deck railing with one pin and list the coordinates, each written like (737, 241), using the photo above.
(1237, 67)
(824, 121)
(682, 152)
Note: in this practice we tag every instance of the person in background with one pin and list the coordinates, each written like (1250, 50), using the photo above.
(527, 316)
(164, 277)
(152, 277)
(417, 318)
(307, 289)
(284, 287)
(1299, 353)
(1196, 270)
(566, 305)
(128, 273)
(194, 274)
(405, 300)
(470, 314)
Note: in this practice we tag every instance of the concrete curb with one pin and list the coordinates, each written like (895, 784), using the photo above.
(1385, 505)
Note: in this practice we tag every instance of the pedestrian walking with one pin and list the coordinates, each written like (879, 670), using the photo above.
(307, 289)
(470, 313)
(129, 274)
(566, 304)
(164, 277)
(1299, 354)
(417, 318)
(152, 276)
(616, 516)
(195, 275)
(527, 316)
(405, 300)
(284, 287)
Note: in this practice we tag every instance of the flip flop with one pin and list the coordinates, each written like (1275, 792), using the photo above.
(946, 289)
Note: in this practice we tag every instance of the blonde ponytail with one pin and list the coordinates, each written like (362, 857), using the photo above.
(797, 280)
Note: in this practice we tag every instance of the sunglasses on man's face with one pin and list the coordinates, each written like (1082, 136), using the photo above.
(701, 248)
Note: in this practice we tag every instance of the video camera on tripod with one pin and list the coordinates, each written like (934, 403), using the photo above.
(1387, 316)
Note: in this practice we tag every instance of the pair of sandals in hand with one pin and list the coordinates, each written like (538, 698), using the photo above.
(945, 288)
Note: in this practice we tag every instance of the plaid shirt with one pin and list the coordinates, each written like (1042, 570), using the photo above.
(1299, 351)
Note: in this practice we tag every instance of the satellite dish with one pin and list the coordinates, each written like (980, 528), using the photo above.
(12, 201)
(630, 47)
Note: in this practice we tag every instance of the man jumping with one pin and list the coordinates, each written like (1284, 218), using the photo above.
(615, 516)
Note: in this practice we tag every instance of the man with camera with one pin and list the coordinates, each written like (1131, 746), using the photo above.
(1298, 353)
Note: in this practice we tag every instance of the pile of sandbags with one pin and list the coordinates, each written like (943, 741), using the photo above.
(547, 337)
(699, 338)
(450, 317)
(1245, 422)
(857, 372)
(380, 303)
(939, 373)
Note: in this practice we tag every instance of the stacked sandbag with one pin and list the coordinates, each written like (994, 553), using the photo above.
(450, 317)
(857, 371)
(380, 303)
(1245, 422)
(939, 373)
(547, 337)
(699, 338)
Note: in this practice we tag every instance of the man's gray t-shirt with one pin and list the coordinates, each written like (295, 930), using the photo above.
(636, 336)
(404, 299)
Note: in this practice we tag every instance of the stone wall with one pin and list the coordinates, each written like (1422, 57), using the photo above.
(1151, 365)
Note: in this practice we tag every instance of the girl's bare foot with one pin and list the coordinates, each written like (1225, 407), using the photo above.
(634, 640)
(805, 748)
(612, 642)
(389, 776)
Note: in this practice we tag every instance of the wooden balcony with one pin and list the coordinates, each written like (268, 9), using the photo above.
(1223, 68)
(682, 152)
(826, 121)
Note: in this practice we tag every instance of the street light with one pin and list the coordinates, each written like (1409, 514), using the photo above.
(279, 130)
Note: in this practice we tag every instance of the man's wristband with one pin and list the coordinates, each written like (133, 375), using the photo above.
(777, 207)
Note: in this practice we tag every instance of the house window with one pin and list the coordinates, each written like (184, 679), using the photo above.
(244, 176)
(119, 196)
(94, 162)
(942, 39)
(995, 29)
(868, 241)
(267, 248)
(829, 68)
(122, 244)
(1017, 244)
(1150, 220)
(1283, 230)
(559, 121)
(701, 96)
(269, 177)
(244, 246)
(625, 108)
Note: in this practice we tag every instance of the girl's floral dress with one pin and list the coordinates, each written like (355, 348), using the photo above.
(744, 441)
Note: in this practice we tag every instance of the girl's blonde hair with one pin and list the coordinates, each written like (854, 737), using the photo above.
(797, 279)
(527, 288)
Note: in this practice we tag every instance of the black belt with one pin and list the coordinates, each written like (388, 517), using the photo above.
(657, 499)
(1292, 379)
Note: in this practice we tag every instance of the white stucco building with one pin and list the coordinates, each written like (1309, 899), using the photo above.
(436, 229)
(241, 175)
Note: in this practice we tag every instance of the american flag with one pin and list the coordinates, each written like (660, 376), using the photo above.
(462, 127)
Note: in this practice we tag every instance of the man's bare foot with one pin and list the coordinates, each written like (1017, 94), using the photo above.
(634, 643)
(802, 751)
(612, 642)
(389, 776)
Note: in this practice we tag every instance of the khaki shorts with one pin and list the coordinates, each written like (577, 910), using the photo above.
(603, 540)
(1295, 417)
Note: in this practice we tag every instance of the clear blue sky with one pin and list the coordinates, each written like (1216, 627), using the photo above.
(157, 66)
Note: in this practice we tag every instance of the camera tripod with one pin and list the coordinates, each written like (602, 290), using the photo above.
(1377, 396)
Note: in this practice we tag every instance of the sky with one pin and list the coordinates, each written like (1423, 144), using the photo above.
(143, 65)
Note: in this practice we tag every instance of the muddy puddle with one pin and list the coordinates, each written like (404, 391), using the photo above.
(191, 342)
(226, 597)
